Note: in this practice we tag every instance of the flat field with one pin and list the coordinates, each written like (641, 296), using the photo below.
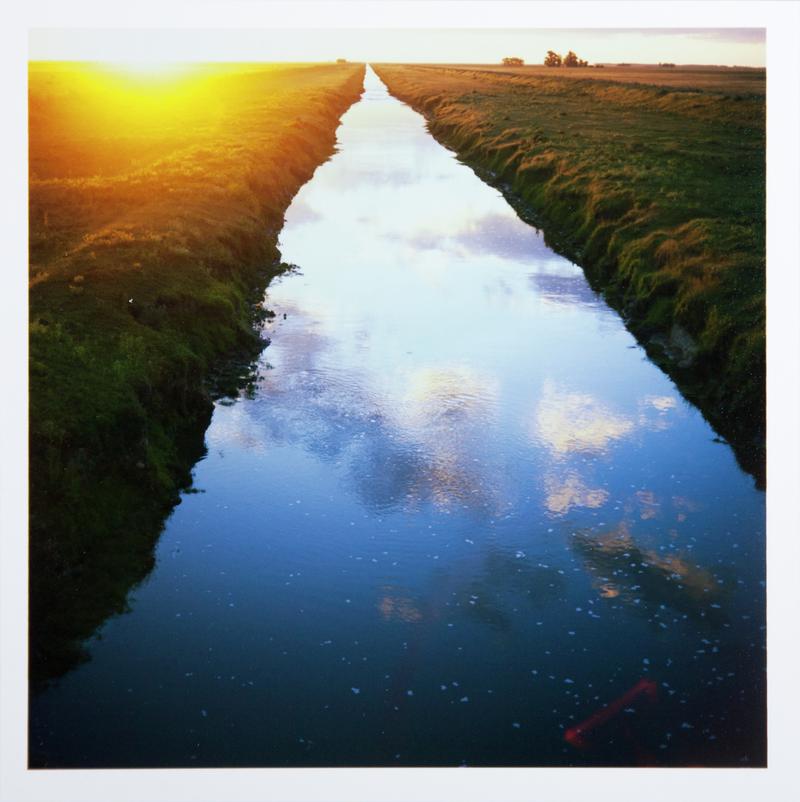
(657, 190)
(725, 80)
(155, 203)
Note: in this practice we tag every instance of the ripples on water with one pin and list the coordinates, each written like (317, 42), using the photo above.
(461, 513)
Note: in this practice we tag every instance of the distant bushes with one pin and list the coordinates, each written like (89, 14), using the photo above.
(572, 60)
(553, 59)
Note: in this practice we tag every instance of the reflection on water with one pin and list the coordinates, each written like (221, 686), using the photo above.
(400, 607)
(569, 290)
(561, 495)
(460, 513)
(657, 584)
(576, 422)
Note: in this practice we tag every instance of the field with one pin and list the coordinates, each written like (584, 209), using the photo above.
(155, 203)
(726, 80)
(653, 180)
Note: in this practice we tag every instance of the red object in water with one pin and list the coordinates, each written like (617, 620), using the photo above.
(578, 735)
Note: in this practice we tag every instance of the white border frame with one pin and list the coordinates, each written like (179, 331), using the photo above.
(782, 21)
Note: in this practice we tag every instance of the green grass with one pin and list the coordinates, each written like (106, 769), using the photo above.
(657, 191)
(152, 237)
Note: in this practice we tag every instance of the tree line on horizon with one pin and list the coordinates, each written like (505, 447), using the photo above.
(552, 59)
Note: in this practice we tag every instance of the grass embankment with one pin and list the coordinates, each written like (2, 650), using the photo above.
(659, 193)
(155, 204)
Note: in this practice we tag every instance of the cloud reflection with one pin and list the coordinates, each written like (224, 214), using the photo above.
(567, 423)
(301, 212)
(501, 235)
(646, 579)
(561, 495)
(423, 446)
(402, 608)
(571, 290)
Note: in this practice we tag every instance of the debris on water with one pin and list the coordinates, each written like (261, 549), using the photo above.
(464, 699)
(204, 713)
(356, 690)
(409, 693)
(516, 725)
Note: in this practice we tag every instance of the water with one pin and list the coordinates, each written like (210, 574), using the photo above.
(461, 513)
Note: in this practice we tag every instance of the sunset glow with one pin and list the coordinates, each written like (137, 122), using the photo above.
(151, 71)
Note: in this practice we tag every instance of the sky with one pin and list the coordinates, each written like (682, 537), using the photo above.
(725, 46)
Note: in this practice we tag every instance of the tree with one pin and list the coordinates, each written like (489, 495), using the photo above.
(572, 60)
(513, 61)
(552, 59)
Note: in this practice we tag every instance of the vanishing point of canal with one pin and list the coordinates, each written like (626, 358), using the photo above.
(462, 514)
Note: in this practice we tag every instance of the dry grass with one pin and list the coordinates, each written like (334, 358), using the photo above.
(721, 80)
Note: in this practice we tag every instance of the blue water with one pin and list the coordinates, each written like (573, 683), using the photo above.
(461, 513)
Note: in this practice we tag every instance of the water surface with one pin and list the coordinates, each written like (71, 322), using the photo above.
(461, 513)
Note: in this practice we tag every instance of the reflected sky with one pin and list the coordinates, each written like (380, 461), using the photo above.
(657, 585)
(451, 521)
(568, 423)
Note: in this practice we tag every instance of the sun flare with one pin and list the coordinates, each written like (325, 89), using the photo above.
(148, 69)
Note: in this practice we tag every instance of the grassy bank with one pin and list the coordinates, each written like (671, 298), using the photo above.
(658, 191)
(155, 205)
